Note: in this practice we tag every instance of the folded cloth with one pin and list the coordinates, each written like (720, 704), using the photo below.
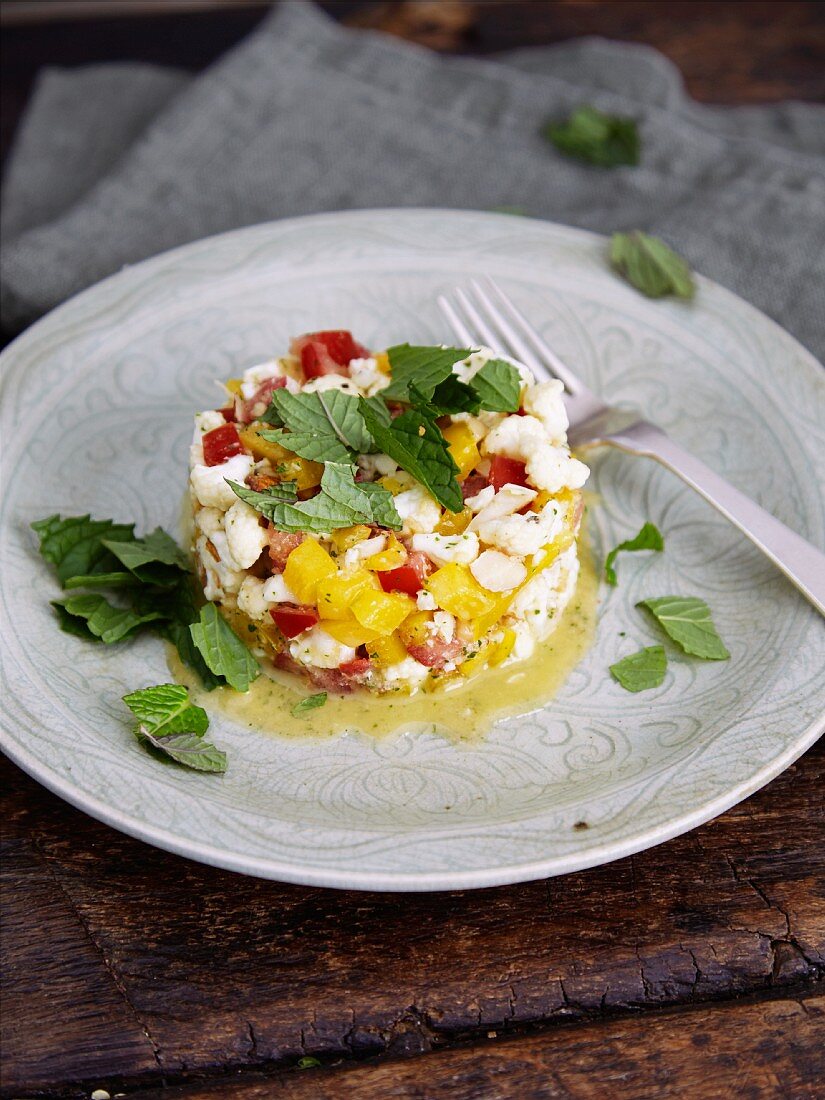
(118, 162)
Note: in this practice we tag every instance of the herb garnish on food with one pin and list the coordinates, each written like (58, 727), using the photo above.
(312, 702)
(598, 138)
(648, 264)
(222, 650)
(642, 670)
(648, 538)
(323, 427)
(174, 727)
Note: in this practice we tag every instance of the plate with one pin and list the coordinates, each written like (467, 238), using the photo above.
(97, 405)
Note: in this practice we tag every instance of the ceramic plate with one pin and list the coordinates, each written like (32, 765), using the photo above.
(97, 406)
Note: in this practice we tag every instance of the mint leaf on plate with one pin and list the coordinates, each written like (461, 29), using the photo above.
(648, 538)
(90, 615)
(498, 386)
(322, 426)
(415, 442)
(648, 264)
(425, 366)
(687, 620)
(312, 702)
(74, 545)
(222, 650)
(642, 670)
(174, 727)
(595, 137)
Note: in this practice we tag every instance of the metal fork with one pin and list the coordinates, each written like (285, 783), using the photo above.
(485, 313)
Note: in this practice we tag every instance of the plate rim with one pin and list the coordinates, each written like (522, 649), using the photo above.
(348, 878)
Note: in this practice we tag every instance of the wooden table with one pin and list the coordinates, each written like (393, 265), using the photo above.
(692, 970)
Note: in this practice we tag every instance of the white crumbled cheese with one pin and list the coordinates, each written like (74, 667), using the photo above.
(254, 377)
(209, 520)
(417, 509)
(363, 550)
(544, 401)
(510, 498)
(498, 572)
(326, 382)
(367, 377)
(545, 594)
(519, 535)
(425, 601)
(204, 422)
(244, 534)
(443, 626)
(548, 467)
(276, 590)
(409, 672)
(481, 499)
(443, 549)
(317, 648)
(251, 598)
(209, 482)
(375, 466)
(221, 578)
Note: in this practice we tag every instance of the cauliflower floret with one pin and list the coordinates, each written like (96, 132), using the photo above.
(204, 422)
(251, 598)
(244, 534)
(319, 649)
(498, 572)
(442, 549)
(209, 521)
(223, 576)
(367, 377)
(417, 509)
(209, 482)
(276, 590)
(255, 376)
(548, 467)
(375, 466)
(545, 593)
(544, 401)
(519, 535)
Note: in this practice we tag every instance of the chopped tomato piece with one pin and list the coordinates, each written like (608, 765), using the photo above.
(357, 667)
(292, 620)
(281, 545)
(506, 471)
(228, 413)
(435, 653)
(250, 409)
(327, 352)
(472, 485)
(408, 577)
(220, 444)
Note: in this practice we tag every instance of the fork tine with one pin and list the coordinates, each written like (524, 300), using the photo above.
(512, 341)
(477, 322)
(530, 335)
(455, 322)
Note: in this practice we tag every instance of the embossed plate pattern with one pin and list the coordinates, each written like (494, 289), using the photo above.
(97, 405)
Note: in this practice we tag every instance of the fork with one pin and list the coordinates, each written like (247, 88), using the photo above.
(486, 313)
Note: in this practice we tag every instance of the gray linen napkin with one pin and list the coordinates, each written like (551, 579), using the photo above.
(115, 163)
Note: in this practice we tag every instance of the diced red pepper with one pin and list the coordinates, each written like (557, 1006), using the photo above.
(292, 620)
(220, 444)
(506, 471)
(356, 667)
(408, 577)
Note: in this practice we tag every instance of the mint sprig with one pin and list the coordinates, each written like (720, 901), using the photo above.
(641, 671)
(74, 545)
(648, 264)
(90, 615)
(174, 727)
(687, 620)
(424, 366)
(649, 537)
(497, 386)
(322, 426)
(222, 650)
(595, 137)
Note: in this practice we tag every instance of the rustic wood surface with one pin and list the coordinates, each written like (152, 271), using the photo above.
(693, 970)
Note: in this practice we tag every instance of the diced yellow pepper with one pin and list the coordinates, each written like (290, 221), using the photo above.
(386, 651)
(482, 623)
(393, 555)
(454, 523)
(456, 590)
(287, 465)
(541, 499)
(461, 444)
(305, 568)
(233, 385)
(382, 362)
(502, 650)
(336, 594)
(473, 664)
(415, 628)
(349, 632)
(548, 554)
(346, 537)
(391, 484)
(382, 612)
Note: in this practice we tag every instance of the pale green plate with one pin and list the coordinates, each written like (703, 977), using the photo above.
(97, 405)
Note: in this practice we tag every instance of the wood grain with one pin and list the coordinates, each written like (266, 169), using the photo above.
(224, 972)
(779, 1052)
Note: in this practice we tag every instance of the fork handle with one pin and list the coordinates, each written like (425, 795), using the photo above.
(801, 562)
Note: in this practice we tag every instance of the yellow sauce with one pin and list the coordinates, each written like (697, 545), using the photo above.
(462, 713)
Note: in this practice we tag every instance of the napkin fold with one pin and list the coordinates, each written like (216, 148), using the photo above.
(114, 163)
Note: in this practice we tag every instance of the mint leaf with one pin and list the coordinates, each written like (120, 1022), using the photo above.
(686, 619)
(155, 548)
(498, 386)
(74, 545)
(342, 502)
(642, 670)
(425, 366)
(454, 396)
(648, 538)
(174, 727)
(648, 264)
(595, 137)
(323, 426)
(222, 649)
(312, 702)
(178, 609)
(90, 615)
(116, 579)
(415, 442)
